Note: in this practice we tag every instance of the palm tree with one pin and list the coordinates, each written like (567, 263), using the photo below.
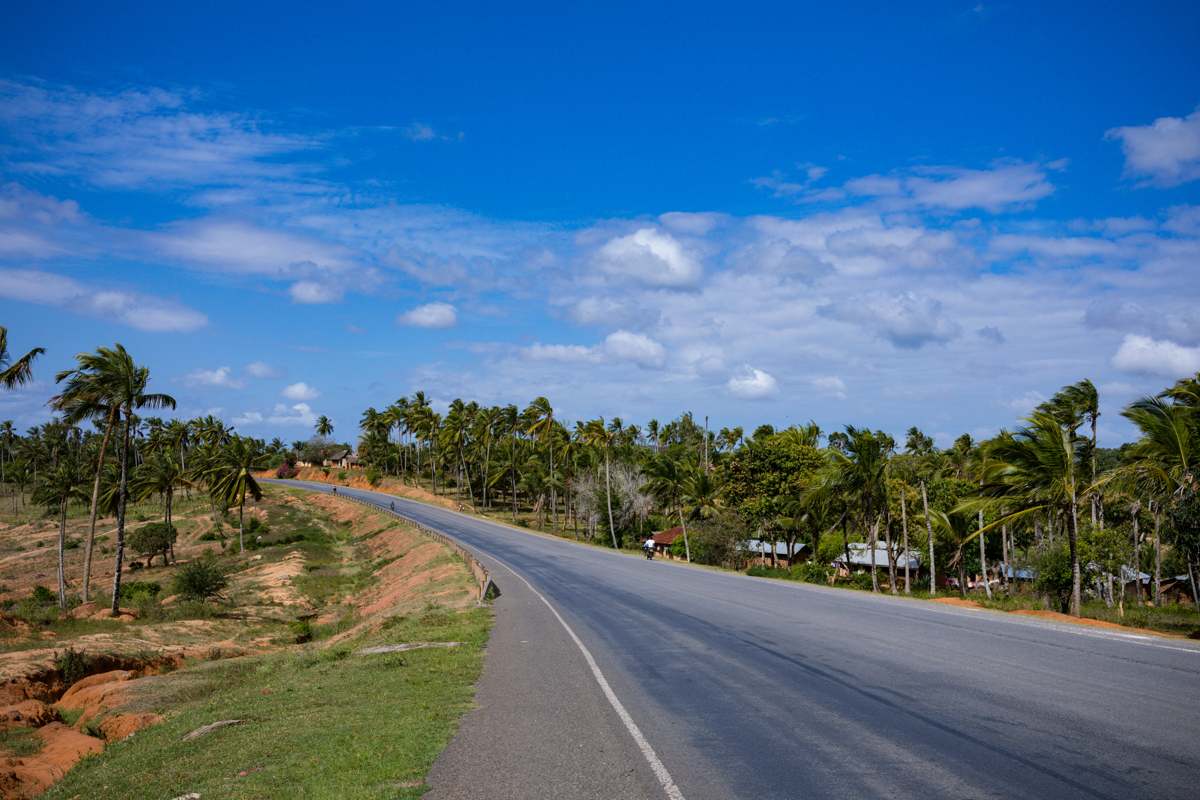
(58, 488)
(160, 475)
(125, 387)
(594, 433)
(90, 392)
(1035, 469)
(667, 480)
(19, 372)
(232, 477)
(860, 470)
(6, 438)
(324, 426)
(541, 416)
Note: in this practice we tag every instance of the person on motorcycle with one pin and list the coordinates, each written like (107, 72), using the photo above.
(648, 547)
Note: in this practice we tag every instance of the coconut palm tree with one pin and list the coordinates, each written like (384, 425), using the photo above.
(232, 477)
(594, 433)
(859, 470)
(668, 480)
(57, 489)
(541, 416)
(19, 372)
(125, 384)
(91, 391)
(159, 476)
(324, 426)
(1035, 469)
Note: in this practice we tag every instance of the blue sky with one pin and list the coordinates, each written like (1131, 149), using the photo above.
(880, 214)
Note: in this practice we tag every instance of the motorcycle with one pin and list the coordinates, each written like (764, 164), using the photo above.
(649, 551)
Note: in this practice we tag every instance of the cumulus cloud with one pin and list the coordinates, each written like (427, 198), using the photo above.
(1164, 153)
(652, 258)
(300, 391)
(299, 415)
(237, 247)
(749, 383)
(779, 256)
(1146, 356)
(641, 350)
(132, 309)
(314, 292)
(430, 315)
(261, 369)
(830, 386)
(219, 378)
(611, 311)
(1126, 316)
(907, 320)
(619, 346)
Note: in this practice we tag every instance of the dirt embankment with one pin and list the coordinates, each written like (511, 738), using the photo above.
(51, 721)
(357, 479)
(1056, 617)
(36, 701)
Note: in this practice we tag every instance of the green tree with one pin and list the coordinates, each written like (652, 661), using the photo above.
(152, 539)
(1035, 469)
(668, 481)
(233, 477)
(56, 490)
(19, 372)
(324, 427)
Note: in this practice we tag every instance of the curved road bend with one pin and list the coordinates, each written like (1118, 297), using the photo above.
(754, 688)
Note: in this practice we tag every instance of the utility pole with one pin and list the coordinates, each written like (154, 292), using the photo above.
(706, 444)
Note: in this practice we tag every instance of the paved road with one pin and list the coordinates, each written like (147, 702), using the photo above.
(753, 688)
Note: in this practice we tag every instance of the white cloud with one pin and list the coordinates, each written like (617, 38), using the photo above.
(299, 415)
(430, 315)
(219, 378)
(1004, 188)
(237, 247)
(650, 257)
(1165, 153)
(641, 350)
(139, 139)
(300, 391)
(906, 319)
(313, 292)
(133, 309)
(419, 132)
(1146, 356)
(261, 369)
(749, 383)
(832, 386)
(1025, 403)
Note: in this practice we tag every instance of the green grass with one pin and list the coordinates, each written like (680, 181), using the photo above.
(20, 742)
(319, 722)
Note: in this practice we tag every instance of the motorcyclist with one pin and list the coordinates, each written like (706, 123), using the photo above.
(648, 547)
(393, 506)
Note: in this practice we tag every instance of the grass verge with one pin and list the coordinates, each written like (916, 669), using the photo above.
(319, 722)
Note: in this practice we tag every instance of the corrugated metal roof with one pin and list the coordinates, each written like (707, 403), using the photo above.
(860, 557)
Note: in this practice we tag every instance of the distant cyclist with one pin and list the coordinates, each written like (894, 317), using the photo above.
(335, 490)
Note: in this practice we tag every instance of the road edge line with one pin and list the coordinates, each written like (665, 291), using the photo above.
(660, 770)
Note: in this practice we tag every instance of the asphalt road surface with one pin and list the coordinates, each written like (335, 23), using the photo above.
(610, 676)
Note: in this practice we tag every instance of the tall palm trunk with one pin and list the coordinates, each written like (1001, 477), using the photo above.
(1072, 543)
(608, 493)
(1157, 558)
(887, 532)
(687, 549)
(872, 540)
(62, 545)
(1137, 555)
(983, 558)
(121, 497)
(87, 559)
(907, 560)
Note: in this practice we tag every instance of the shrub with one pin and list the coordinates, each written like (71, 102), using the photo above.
(200, 579)
(71, 543)
(374, 478)
(72, 664)
(811, 572)
(342, 475)
(302, 629)
(151, 540)
(287, 469)
(768, 572)
(132, 591)
(43, 594)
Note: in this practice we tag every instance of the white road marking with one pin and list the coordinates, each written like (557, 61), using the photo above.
(660, 770)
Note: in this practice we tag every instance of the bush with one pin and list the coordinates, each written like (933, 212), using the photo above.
(287, 469)
(152, 540)
(71, 543)
(810, 572)
(43, 594)
(768, 572)
(72, 664)
(200, 579)
(302, 629)
(374, 478)
(342, 475)
(132, 591)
